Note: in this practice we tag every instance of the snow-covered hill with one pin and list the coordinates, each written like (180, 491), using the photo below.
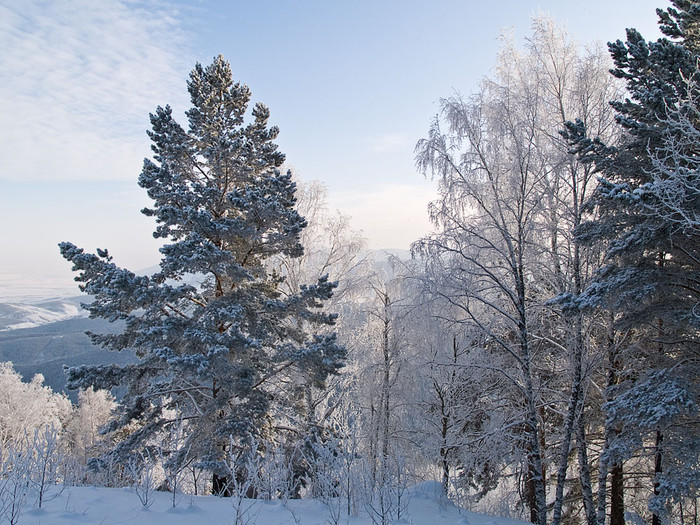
(17, 315)
(122, 506)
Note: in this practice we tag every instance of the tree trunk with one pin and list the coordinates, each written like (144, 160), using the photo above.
(658, 457)
(535, 471)
(602, 482)
(445, 413)
(535, 468)
(617, 510)
(658, 469)
(386, 377)
(445, 471)
(220, 486)
(444, 448)
(585, 472)
(572, 415)
(617, 495)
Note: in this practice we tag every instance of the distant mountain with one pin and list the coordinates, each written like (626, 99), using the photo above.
(46, 348)
(42, 337)
(17, 315)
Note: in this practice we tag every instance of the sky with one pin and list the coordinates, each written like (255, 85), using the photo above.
(352, 86)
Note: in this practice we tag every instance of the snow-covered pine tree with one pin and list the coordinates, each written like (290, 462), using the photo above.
(229, 355)
(653, 250)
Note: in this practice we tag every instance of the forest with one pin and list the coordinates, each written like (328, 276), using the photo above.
(538, 354)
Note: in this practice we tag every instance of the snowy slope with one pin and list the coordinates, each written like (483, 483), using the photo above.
(16, 315)
(122, 506)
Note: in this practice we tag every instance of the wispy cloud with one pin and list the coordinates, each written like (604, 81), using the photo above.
(77, 81)
(388, 142)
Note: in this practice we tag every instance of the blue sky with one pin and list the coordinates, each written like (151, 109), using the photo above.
(352, 86)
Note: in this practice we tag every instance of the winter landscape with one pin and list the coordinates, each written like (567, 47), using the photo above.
(532, 357)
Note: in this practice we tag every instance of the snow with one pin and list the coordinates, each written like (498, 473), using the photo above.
(15, 316)
(111, 506)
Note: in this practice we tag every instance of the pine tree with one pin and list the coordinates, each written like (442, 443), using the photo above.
(644, 249)
(230, 354)
(652, 249)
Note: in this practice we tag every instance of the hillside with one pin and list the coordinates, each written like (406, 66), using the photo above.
(46, 348)
(18, 315)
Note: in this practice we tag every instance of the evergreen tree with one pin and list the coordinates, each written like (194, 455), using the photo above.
(653, 248)
(649, 256)
(230, 354)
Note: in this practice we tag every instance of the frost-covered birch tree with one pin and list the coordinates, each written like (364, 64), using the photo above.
(489, 185)
(510, 197)
(227, 356)
(574, 82)
(26, 408)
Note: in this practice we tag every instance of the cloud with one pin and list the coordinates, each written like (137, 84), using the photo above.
(392, 216)
(77, 81)
(388, 142)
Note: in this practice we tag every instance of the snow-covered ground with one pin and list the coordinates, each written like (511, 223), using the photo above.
(110, 506)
